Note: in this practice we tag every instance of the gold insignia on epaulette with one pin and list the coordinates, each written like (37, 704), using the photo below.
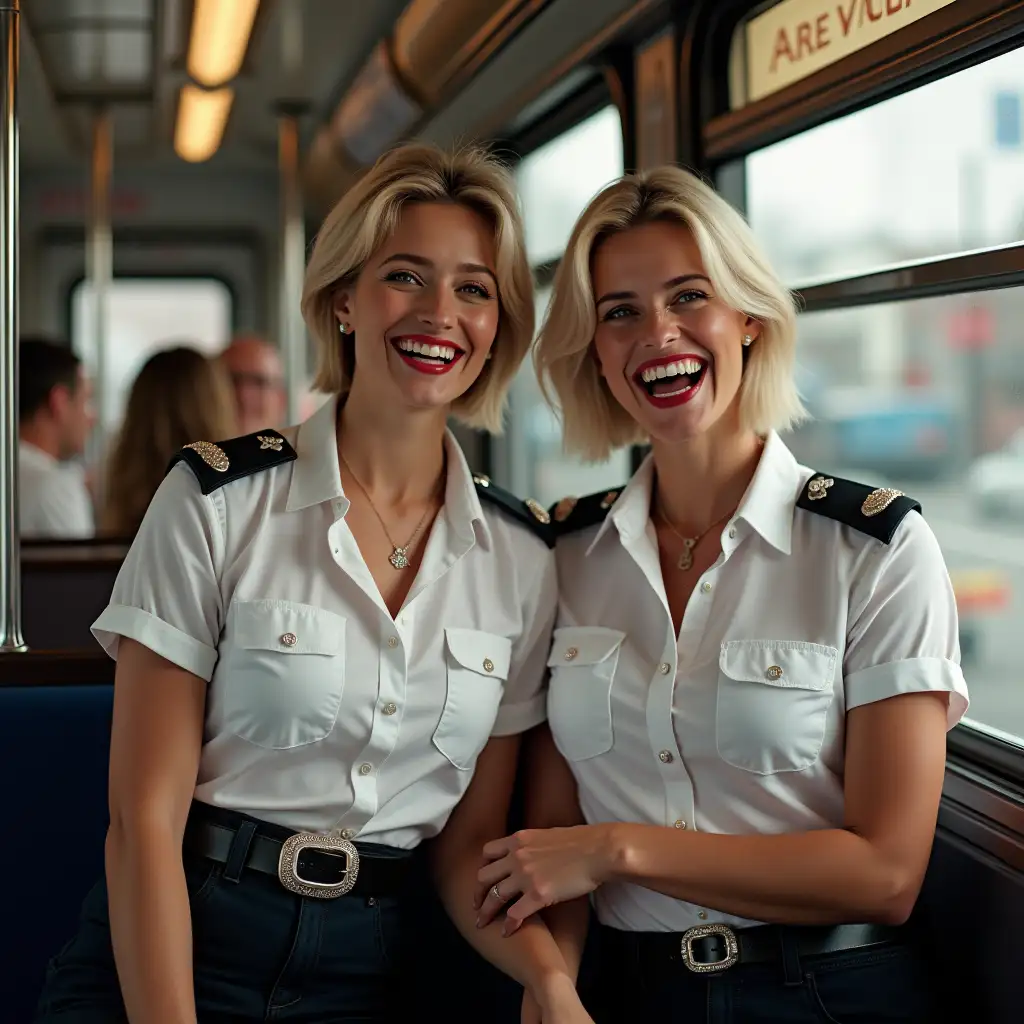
(879, 500)
(609, 499)
(539, 512)
(564, 509)
(818, 487)
(273, 443)
(481, 480)
(213, 456)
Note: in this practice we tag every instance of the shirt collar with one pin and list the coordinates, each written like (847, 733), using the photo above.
(29, 451)
(317, 478)
(767, 505)
(462, 503)
(771, 496)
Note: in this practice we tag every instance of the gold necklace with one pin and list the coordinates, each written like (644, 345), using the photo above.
(685, 560)
(399, 558)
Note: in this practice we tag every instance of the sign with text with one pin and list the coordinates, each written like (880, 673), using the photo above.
(798, 37)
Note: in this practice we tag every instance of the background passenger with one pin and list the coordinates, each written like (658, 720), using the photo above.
(178, 397)
(331, 636)
(755, 664)
(255, 369)
(55, 420)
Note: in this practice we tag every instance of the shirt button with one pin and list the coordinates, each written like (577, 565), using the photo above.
(666, 756)
(390, 709)
(774, 672)
(392, 641)
(289, 639)
(680, 823)
(570, 654)
(488, 665)
(706, 587)
(732, 533)
(365, 769)
(347, 833)
(702, 914)
(664, 668)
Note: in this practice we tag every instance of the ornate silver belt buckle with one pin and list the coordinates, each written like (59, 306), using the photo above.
(287, 865)
(702, 931)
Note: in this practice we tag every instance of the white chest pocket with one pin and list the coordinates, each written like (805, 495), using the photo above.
(773, 701)
(582, 662)
(282, 673)
(477, 667)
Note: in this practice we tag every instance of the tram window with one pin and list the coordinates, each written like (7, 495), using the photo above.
(556, 182)
(928, 396)
(931, 172)
(143, 316)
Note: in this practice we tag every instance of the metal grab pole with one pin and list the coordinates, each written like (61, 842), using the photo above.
(11, 638)
(292, 264)
(100, 266)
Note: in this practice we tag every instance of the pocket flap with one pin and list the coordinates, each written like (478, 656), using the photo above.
(288, 628)
(792, 663)
(486, 653)
(583, 645)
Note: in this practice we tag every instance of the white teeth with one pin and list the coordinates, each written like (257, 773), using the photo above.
(421, 348)
(687, 365)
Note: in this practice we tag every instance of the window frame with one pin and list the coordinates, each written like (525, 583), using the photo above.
(950, 40)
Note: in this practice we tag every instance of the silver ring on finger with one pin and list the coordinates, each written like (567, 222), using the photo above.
(497, 892)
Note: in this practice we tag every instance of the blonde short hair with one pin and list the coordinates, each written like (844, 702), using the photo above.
(366, 216)
(594, 422)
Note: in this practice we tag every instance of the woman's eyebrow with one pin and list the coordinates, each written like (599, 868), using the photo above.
(674, 283)
(422, 261)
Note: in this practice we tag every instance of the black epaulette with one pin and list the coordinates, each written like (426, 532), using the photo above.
(874, 511)
(218, 464)
(528, 512)
(572, 514)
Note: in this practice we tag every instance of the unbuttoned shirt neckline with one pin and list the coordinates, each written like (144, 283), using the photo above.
(735, 724)
(324, 713)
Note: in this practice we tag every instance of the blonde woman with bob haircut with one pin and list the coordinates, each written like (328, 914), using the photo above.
(754, 665)
(329, 640)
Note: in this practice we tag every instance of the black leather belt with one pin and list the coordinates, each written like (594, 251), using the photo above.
(710, 948)
(306, 863)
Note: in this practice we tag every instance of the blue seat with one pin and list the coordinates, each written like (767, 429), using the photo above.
(54, 748)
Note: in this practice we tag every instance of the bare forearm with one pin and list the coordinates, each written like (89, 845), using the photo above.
(151, 927)
(568, 923)
(816, 877)
(531, 955)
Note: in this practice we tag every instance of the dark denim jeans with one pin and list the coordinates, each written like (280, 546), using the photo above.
(260, 954)
(885, 984)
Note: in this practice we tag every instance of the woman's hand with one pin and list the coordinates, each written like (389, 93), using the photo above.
(540, 867)
(556, 1002)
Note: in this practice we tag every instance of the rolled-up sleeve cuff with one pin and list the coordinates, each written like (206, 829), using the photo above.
(914, 675)
(160, 637)
(516, 718)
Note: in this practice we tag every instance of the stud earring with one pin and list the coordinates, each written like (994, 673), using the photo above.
(748, 340)
(343, 327)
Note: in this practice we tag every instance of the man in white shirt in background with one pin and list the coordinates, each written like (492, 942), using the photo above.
(56, 418)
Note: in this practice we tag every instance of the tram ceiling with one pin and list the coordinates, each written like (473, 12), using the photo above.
(130, 57)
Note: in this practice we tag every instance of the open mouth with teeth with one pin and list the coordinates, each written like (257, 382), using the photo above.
(672, 380)
(427, 355)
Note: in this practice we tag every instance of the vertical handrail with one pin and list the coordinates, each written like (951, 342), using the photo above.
(292, 262)
(11, 638)
(100, 271)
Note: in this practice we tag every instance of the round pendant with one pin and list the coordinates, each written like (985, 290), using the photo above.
(398, 560)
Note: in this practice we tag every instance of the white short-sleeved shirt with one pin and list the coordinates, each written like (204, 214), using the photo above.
(53, 499)
(323, 712)
(737, 725)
